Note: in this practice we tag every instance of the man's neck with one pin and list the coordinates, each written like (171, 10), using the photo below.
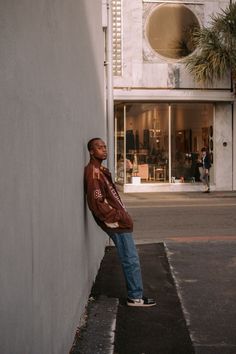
(95, 161)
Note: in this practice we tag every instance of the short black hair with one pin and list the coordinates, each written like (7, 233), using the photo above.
(90, 143)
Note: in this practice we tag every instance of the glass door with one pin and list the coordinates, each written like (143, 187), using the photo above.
(191, 129)
(142, 142)
(119, 144)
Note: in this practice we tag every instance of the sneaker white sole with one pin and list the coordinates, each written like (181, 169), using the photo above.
(140, 304)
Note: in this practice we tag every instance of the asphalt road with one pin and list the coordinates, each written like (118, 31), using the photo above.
(199, 232)
(160, 217)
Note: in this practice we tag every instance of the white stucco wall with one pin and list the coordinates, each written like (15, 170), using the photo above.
(234, 145)
(148, 76)
(223, 164)
(51, 103)
(142, 66)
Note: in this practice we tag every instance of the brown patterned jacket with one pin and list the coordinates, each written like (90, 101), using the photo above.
(104, 201)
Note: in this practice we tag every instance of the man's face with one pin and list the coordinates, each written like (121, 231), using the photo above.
(99, 150)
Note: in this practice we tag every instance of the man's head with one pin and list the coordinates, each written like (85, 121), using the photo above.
(97, 149)
(204, 151)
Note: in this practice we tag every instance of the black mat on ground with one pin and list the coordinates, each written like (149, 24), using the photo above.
(156, 330)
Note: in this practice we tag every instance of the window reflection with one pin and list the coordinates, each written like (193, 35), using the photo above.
(143, 140)
(191, 126)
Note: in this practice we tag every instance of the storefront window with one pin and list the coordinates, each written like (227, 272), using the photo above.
(160, 142)
(120, 143)
(191, 126)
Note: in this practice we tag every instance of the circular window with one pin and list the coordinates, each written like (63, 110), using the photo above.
(168, 30)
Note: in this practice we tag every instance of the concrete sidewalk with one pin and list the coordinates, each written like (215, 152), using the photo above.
(189, 270)
(160, 329)
(134, 198)
(204, 273)
(195, 290)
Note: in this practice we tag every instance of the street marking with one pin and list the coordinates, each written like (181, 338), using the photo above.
(200, 238)
(178, 205)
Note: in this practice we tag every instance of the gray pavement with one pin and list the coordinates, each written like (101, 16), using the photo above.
(205, 277)
(159, 329)
(199, 234)
(161, 216)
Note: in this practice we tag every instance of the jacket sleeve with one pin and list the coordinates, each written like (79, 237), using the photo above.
(99, 205)
(208, 162)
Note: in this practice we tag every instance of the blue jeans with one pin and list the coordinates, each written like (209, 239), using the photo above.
(130, 263)
(204, 177)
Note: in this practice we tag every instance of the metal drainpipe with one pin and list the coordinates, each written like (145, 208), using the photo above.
(110, 101)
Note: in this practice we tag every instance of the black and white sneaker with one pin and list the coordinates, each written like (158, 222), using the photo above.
(144, 302)
(207, 191)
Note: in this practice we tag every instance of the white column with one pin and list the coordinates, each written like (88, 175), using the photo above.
(234, 144)
(110, 101)
(223, 150)
(169, 122)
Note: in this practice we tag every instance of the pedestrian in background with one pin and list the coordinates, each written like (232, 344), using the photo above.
(110, 214)
(204, 169)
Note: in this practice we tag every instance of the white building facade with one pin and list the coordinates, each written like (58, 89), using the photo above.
(162, 117)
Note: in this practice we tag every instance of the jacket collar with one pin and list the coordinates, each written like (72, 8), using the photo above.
(97, 164)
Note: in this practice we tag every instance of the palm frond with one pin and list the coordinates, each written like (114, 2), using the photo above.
(225, 21)
(215, 52)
